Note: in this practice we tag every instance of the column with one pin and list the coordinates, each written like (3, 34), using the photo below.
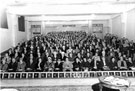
(13, 28)
(110, 26)
(124, 23)
(43, 32)
(90, 26)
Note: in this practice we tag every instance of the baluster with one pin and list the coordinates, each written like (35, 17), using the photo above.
(33, 75)
(58, 74)
(26, 75)
(20, 75)
(39, 75)
(14, 76)
(8, 75)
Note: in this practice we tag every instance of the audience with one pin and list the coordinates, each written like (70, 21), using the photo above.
(70, 51)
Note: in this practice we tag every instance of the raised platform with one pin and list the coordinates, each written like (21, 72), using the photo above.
(81, 83)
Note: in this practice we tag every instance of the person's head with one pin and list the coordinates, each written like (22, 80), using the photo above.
(47, 54)
(111, 49)
(97, 50)
(31, 42)
(124, 56)
(73, 51)
(130, 59)
(25, 42)
(103, 53)
(111, 54)
(10, 51)
(90, 47)
(78, 55)
(63, 47)
(16, 50)
(31, 55)
(82, 51)
(84, 59)
(13, 60)
(88, 50)
(20, 60)
(31, 47)
(22, 55)
(113, 59)
(77, 60)
(6, 55)
(3, 61)
(120, 54)
(40, 60)
(67, 59)
(88, 54)
(121, 58)
(49, 59)
(39, 54)
(59, 60)
(70, 47)
(16, 55)
(70, 55)
(96, 54)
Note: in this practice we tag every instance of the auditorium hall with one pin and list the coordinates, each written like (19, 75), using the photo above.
(67, 45)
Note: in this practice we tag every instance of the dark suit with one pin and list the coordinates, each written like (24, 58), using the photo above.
(41, 66)
(104, 63)
(85, 65)
(113, 65)
(12, 67)
(76, 65)
(32, 66)
(59, 66)
(98, 64)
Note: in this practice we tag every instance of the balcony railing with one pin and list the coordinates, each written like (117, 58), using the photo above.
(64, 75)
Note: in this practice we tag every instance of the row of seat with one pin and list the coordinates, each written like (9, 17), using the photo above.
(51, 75)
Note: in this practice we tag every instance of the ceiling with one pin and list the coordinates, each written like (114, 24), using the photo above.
(57, 8)
(73, 2)
(39, 9)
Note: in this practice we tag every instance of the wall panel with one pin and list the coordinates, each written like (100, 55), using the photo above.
(117, 26)
(130, 31)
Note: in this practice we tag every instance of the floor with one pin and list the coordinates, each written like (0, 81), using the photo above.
(55, 84)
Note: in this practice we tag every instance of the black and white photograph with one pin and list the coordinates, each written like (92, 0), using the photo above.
(67, 45)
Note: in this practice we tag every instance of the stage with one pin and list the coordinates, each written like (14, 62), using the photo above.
(55, 84)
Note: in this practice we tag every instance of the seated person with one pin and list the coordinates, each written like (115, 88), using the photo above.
(96, 62)
(122, 65)
(85, 65)
(69, 50)
(30, 65)
(105, 63)
(23, 56)
(88, 55)
(67, 65)
(49, 65)
(3, 65)
(113, 64)
(39, 65)
(71, 57)
(7, 58)
(21, 65)
(89, 63)
(77, 65)
(58, 66)
(130, 63)
(12, 67)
